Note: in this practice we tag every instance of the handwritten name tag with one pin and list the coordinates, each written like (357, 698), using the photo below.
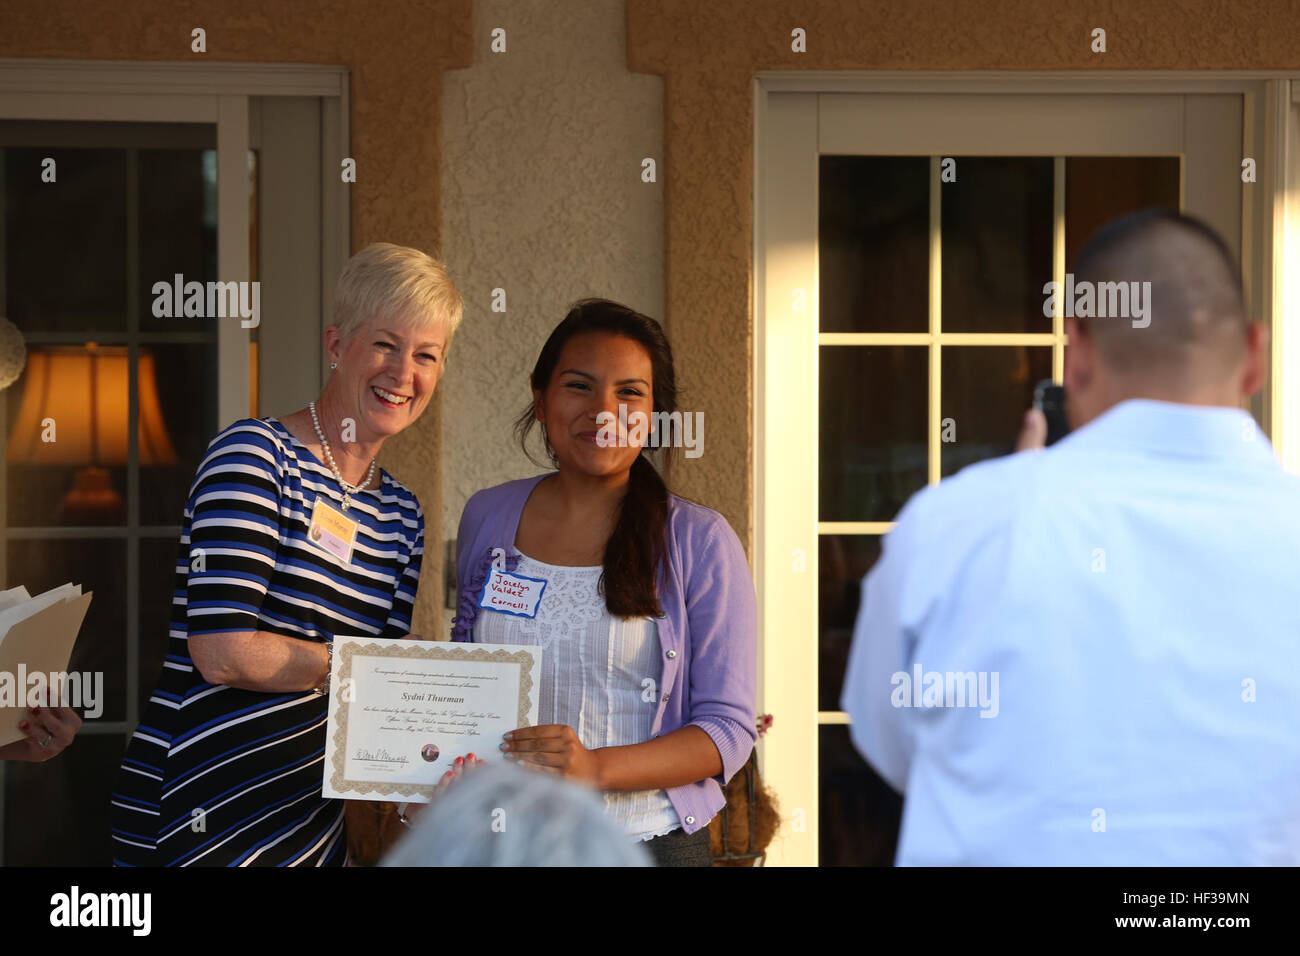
(512, 593)
(332, 530)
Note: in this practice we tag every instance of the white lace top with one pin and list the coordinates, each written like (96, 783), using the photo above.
(600, 675)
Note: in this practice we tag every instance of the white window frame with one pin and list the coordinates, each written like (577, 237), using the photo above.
(785, 437)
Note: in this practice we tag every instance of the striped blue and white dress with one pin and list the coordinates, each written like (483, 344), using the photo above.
(219, 776)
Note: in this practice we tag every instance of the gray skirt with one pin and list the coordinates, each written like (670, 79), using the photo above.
(680, 849)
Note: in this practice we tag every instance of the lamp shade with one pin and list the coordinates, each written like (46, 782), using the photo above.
(78, 396)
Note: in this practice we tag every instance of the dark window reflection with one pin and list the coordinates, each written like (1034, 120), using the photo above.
(997, 245)
(56, 812)
(872, 431)
(860, 813)
(1101, 188)
(65, 258)
(874, 243)
(844, 561)
(178, 232)
(986, 390)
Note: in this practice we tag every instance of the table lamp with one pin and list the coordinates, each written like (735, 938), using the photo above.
(77, 396)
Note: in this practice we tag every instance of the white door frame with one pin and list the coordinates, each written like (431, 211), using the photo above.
(883, 112)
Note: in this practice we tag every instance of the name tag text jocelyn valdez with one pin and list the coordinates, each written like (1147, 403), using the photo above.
(506, 593)
(512, 593)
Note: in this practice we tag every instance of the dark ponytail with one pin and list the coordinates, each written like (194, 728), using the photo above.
(637, 547)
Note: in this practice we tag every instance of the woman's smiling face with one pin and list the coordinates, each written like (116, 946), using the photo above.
(387, 373)
(596, 372)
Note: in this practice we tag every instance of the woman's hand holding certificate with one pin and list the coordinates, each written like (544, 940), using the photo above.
(554, 748)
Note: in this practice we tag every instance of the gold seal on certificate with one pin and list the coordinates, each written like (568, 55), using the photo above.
(402, 711)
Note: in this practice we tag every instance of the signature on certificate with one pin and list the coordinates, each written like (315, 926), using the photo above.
(379, 756)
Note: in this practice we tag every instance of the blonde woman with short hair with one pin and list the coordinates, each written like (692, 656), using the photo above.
(226, 765)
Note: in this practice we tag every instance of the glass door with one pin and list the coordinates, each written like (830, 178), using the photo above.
(107, 423)
(905, 250)
(122, 387)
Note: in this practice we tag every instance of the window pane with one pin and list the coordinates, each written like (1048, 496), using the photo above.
(98, 565)
(65, 241)
(872, 453)
(178, 228)
(874, 243)
(997, 244)
(178, 417)
(56, 812)
(986, 391)
(844, 561)
(860, 813)
(1101, 188)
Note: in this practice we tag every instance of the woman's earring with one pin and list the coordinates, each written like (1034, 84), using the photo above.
(334, 365)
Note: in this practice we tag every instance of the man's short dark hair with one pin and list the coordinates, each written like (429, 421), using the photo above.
(1197, 303)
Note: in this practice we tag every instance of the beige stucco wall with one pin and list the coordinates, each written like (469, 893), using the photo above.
(542, 197)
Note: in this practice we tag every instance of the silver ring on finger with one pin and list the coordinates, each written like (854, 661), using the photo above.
(46, 741)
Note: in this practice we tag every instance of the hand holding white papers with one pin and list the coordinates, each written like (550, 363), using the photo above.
(49, 731)
(36, 640)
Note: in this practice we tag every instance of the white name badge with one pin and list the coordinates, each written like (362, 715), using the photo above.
(331, 530)
(512, 593)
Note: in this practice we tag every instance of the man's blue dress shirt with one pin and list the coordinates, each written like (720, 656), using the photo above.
(1091, 654)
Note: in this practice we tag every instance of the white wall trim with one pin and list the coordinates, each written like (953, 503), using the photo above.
(1018, 81)
(1282, 284)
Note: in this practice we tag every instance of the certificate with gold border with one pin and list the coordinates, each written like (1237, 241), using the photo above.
(402, 711)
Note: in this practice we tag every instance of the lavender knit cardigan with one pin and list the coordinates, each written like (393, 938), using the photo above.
(708, 632)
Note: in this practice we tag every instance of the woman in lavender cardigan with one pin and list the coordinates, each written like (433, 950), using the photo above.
(648, 617)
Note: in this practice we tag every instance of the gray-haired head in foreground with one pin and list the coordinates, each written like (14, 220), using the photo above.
(501, 815)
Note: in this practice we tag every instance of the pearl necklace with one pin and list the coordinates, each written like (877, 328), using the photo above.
(348, 489)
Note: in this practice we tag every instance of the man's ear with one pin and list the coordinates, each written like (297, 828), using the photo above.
(1080, 357)
(1256, 362)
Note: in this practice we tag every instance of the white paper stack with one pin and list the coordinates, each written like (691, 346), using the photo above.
(37, 635)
